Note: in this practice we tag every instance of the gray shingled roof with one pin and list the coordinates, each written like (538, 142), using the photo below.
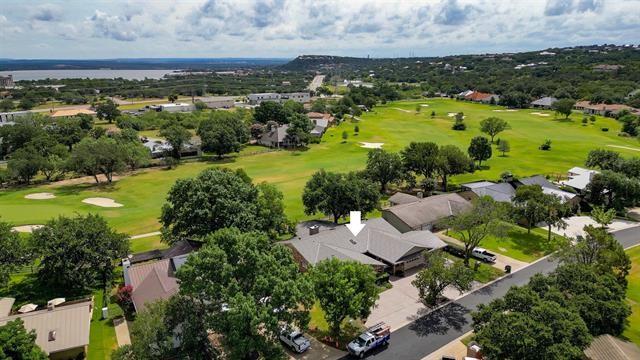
(402, 198)
(378, 239)
(276, 134)
(607, 347)
(430, 209)
(539, 180)
(545, 101)
(497, 191)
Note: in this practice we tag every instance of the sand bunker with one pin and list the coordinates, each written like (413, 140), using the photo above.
(371, 145)
(624, 147)
(454, 114)
(499, 110)
(102, 202)
(40, 196)
(424, 105)
(511, 110)
(403, 110)
(26, 228)
(539, 114)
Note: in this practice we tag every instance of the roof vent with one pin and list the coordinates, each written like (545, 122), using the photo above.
(52, 335)
(352, 241)
(314, 229)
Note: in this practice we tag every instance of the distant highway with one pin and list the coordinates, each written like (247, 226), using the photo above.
(316, 82)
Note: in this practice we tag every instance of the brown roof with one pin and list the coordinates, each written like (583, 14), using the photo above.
(607, 347)
(604, 107)
(70, 321)
(318, 115)
(477, 96)
(430, 210)
(152, 281)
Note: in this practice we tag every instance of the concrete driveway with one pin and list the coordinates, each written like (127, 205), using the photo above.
(318, 351)
(576, 224)
(401, 304)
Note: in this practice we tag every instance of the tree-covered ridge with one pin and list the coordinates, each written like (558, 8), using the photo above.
(571, 72)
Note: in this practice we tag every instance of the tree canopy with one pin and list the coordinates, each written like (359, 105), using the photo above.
(384, 167)
(344, 289)
(438, 274)
(216, 199)
(223, 133)
(492, 126)
(78, 252)
(249, 287)
(480, 149)
(18, 343)
(13, 252)
(338, 194)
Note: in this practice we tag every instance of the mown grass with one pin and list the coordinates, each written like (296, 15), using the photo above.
(143, 194)
(518, 244)
(632, 331)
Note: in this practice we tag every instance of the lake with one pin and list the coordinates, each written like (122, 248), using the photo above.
(93, 74)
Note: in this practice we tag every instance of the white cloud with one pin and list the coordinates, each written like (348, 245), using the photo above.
(162, 28)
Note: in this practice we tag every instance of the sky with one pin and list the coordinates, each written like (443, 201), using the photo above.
(82, 29)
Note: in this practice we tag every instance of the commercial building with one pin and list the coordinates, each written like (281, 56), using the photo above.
(6, 81)
(257, 99)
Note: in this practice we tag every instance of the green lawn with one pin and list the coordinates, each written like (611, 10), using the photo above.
(632, 331)
(146, 244)
(518, 244)
(102, 337)
(143, 194)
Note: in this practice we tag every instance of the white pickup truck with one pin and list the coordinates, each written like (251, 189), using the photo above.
(483, 254)
(295, 340)
(375, 336)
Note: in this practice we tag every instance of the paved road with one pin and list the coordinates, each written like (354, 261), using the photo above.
(428, 333)
(316, 82)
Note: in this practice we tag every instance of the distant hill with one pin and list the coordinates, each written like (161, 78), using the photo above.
(139, 64)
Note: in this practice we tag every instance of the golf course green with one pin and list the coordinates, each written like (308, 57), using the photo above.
(394, 124)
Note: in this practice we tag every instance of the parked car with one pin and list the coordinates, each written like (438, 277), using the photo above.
(455, 250)
(295, 340)
(484, 255)
(375, 336)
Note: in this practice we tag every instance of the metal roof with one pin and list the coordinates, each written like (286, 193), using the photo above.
(402, 198)
(152, 281)
(70, 321)
(6, 304)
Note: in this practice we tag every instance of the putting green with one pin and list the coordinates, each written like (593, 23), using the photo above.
(144, 193)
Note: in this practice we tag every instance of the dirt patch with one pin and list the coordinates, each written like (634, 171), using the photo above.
(368, 145)
(26, 228)
(86, 180)
(40, 196)
(102, 202)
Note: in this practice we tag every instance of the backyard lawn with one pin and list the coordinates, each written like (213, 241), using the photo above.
(633, 296)
(394, 124)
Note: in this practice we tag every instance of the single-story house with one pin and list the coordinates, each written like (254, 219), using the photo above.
(62, 329)
(603, 109)
(505, 191)
(151, 274)
(379, 244)
(159, 148)
(478, 96)
(72, 112)
(426, 213)
(544, 103)
(9, 118)
(579, 178)
(276, 137)
(321, 122)
(400, 198)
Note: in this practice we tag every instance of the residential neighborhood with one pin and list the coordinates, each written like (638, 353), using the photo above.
(428, 180)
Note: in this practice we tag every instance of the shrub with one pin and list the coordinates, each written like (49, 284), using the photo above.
(605, 129)
(459, 125)
(123, 296)
(546, 145)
